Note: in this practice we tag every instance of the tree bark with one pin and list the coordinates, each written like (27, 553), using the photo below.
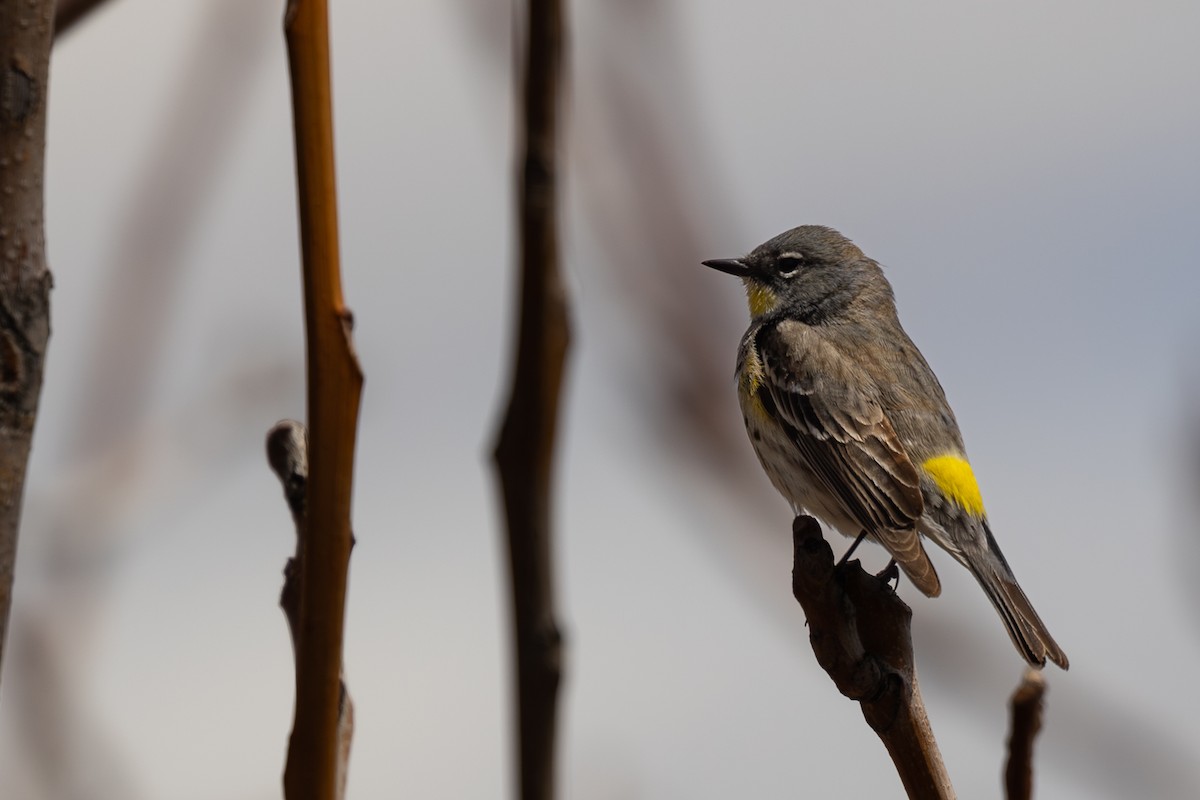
(1026, 704)
(860, 633)
(26, 31)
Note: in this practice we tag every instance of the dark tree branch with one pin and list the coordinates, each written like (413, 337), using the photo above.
(26, 30)
(859, 630)
(1027, 703)
(68, 12)
(314, 769)
(524, 452)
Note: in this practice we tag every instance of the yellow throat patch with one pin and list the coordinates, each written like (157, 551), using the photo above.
(954, 476)
(762, 299)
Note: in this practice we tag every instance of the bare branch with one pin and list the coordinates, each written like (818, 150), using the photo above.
(1027, 703)
(287, 453)
(860, 632)
(524, 452)
(314, 770)
(26, 29)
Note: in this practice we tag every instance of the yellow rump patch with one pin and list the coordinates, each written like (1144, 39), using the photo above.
(762, 299)
(954, 477)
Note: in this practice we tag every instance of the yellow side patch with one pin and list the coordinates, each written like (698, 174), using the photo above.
(749, 381)
(762, 299)
(954, 477)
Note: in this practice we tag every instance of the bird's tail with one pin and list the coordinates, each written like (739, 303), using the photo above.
(1026, 628)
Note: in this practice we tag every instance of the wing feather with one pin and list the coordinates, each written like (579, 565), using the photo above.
(829, 408)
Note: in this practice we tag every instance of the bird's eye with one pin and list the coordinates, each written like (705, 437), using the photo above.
(788, 265)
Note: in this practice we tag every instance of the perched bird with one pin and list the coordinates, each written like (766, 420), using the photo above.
(852, 426)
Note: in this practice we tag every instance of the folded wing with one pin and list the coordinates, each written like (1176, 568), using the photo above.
(829, 409)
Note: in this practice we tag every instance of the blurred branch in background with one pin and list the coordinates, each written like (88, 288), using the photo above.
(657, 205)
(861, 634)
(64, 743)
(25, 36)
(315, 769)
(177, 181)
(116, 459)
(524, 453)
(69, 12)
(1026, 706)
(656, 200)
(63, 750)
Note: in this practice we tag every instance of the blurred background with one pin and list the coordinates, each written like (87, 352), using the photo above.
(1029, 176)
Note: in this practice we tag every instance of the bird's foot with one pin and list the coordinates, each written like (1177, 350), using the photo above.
(846, 557)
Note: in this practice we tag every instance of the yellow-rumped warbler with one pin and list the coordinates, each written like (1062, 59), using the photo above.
(851, 424)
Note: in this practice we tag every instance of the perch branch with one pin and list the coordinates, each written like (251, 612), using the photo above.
(334, 389)
(1027, 703)
(859, 631)
(26, 30)
(524, 452)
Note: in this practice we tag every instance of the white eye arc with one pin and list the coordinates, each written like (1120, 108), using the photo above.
(788, 264)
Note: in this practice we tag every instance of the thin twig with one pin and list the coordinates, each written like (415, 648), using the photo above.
(524, 452)
(69, 12)
(1027, 704)
(334, 390)
(860, 632)
(26, 29)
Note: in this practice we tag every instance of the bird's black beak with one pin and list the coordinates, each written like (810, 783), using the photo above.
(731, 266)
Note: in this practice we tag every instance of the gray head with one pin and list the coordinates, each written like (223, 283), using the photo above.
(811, 271)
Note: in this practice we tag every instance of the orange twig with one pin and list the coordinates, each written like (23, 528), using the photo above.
(287, 453)
(334, 389)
